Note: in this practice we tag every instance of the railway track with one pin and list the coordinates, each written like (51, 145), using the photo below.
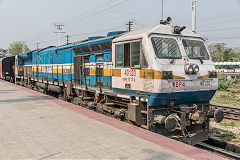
(229, 112)
(219, 151)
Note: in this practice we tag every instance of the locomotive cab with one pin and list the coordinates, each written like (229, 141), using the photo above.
(177, 80)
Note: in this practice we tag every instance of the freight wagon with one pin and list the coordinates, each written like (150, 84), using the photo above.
(8, 68)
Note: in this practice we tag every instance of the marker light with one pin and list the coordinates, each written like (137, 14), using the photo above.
(195, 68)
(189, 69)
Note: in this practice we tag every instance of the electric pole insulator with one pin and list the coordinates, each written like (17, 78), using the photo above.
(59, 28)
(67, 36)
(129, 24)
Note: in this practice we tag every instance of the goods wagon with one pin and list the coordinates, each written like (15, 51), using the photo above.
(8, 68)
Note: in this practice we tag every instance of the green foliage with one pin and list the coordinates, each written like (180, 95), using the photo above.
(16, 48)
(230, 123)
(3, 52)
(217, 51)
(220, 53)
(223, 134)
(223, 83)
(237, 79)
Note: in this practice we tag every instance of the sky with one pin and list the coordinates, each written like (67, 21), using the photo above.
(32, 21)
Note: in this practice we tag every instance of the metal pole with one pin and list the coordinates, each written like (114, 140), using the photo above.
(162, 9)
(194, 16)
(67, 38)
(37, 45)
(59, 37)
(59, 28)
(129, 24)
(23, 47)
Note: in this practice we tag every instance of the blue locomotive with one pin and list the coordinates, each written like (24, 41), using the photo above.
(160, 77)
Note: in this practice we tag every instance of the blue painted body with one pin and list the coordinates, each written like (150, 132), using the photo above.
(163, 99)
(26, 59)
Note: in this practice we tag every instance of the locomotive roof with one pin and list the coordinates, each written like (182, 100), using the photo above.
(89, 41)
(157, 29)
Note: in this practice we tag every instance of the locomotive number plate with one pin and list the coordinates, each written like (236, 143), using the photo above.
(178, 85)
(205, 84)
(129, 75)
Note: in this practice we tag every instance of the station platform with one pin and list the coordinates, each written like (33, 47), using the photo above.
(37, 126)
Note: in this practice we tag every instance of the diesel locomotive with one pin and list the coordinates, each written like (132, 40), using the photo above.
(160, 78)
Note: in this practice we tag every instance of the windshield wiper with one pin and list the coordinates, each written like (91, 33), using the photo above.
(198, 57)
(186, 46)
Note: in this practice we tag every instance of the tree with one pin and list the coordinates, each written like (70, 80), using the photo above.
(217, 51)
(220, 53)
(16, 48)
(3, 52)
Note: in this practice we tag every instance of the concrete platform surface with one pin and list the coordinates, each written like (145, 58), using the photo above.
(37, 126)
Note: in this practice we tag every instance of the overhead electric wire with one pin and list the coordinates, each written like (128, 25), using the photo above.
(97, 7)
(102, 10)
(219, 29)
(99, 31)
(109, 2)
(51, 40)
(224, 38)
(108, 5)
(99, 11)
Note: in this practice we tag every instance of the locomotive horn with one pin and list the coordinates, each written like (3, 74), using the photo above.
(167, 21)
(178, 29)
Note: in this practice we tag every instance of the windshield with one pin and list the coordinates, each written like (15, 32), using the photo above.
(195, 49)
(166, 48)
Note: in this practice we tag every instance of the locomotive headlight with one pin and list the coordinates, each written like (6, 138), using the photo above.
(212, 74)
(195, 68)
(189, 69)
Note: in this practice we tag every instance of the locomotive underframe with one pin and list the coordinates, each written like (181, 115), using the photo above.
(189, 123)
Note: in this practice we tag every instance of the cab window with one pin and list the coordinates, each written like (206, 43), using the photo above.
(119, 57)
(135, 54)
(130, 55)
(195, 49)
(166, 48)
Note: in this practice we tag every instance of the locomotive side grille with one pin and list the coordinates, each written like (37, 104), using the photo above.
(106, 45)
(95, 47)
(85, 49)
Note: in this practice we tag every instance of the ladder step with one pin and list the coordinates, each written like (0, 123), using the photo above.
(109, 104)
(144, 112)
(87, 98)
(144, 126)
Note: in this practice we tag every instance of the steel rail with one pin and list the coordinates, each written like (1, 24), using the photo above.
(220, 151)
(229, 112)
